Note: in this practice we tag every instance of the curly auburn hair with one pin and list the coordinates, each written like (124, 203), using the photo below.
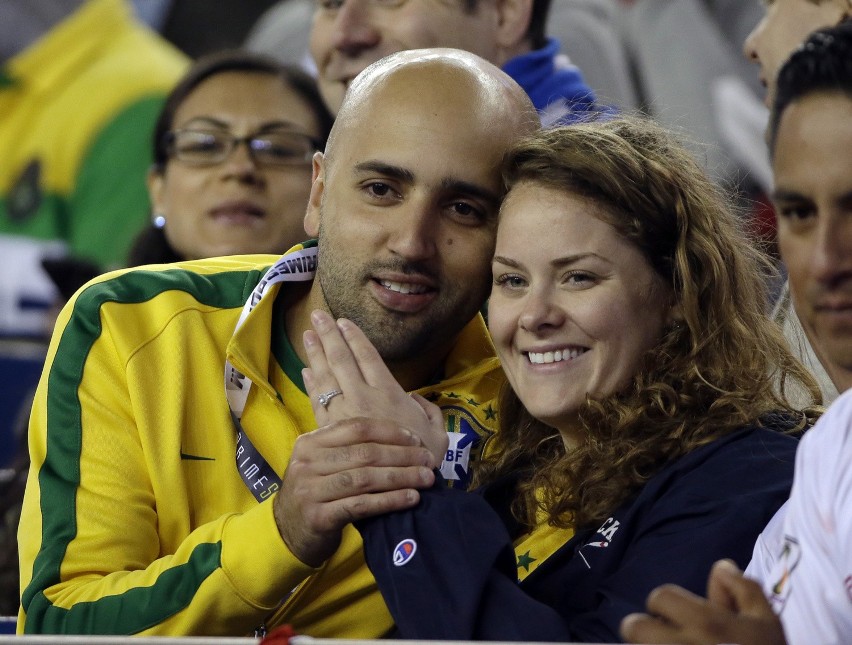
(725, 367)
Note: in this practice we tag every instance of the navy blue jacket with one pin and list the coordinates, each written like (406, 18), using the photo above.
(447, 569)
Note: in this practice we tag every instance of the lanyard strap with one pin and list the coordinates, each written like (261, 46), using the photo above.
(255, 471)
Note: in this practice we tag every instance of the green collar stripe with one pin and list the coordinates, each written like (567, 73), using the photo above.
(283, 351)
(60, 473)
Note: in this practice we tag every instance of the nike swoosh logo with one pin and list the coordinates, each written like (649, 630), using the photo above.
(187, 457)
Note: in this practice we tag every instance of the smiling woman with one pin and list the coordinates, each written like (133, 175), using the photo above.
(645, 273)
(642, 416)
(232, 149)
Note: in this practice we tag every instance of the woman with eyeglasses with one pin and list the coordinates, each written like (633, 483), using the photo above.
(232, 160)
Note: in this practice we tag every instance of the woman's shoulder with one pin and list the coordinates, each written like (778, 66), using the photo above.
(774, 435)
(757, 456)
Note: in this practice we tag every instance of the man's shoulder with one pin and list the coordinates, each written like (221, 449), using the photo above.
(825, 455)
(222, 282)
(834, 429)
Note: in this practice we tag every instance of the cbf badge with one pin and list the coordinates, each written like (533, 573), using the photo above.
(467, 441)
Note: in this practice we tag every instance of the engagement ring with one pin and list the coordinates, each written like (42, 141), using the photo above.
(328, 396)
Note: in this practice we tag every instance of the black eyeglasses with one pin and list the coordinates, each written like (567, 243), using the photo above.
(208, 147)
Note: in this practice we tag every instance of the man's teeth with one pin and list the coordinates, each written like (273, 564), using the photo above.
(539, 358)
(404, 287)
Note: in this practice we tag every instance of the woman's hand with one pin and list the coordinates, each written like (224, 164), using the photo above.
(342, 359)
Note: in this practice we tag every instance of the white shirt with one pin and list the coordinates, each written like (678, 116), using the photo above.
(810, 582)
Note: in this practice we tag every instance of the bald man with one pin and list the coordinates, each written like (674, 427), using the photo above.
(155, 503)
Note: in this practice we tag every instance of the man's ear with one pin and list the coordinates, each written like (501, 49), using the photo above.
(312, 215)
(513, 21)
(155, 181)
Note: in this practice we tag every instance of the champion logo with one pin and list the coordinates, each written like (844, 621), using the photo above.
(403, 552)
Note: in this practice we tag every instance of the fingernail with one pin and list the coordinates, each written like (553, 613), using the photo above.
(309, 338)
(727, 566)
(319, 319)
(343, 324)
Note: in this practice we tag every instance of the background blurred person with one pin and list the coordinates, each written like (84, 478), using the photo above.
(81, 84)
(643, 416)
(348, 35)
(802, 563)
(585, 29)
(686, 54)
(783, 28)
(232, 160)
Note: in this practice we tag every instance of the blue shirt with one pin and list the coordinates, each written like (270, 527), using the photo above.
(555, 86)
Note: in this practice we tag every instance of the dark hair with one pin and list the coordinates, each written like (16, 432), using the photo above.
(822, 64)
(236, 60)
(726, 366)
(152, 247)
(536, 30)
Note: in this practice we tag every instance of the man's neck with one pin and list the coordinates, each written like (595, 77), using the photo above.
(299, 301)
(841, 377)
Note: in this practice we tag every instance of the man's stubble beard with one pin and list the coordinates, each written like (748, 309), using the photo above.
(396, 336)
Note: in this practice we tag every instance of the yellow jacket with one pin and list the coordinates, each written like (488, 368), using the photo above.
(135, 518)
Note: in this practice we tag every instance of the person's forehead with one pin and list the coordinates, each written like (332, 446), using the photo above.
(237, 90)
(814, 142)
(408, 128)
(803, 115)
(423, 145)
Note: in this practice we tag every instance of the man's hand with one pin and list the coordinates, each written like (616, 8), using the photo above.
(347, 471)
(735, 611)
(342, 358)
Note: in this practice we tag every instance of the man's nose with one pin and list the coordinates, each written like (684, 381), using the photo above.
(354, 29)
(414, 236)
(832, 253)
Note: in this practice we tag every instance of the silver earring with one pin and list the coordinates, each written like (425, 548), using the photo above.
(158, 220)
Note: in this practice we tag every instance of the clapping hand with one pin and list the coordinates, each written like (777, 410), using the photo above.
(735, 611)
